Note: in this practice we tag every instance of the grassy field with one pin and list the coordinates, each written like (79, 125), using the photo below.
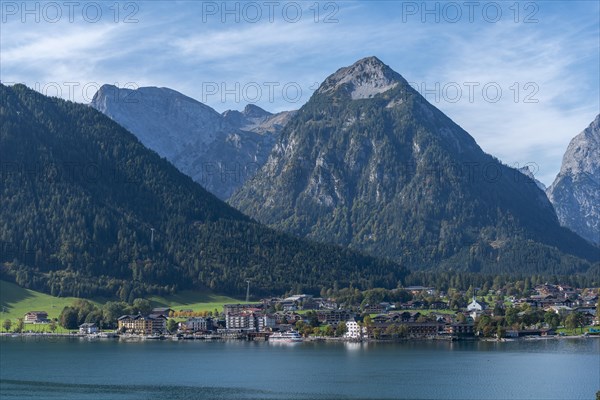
(196, 301)
(575, 332)
(16, 301)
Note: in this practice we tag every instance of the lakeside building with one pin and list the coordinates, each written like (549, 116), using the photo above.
(198, 324)
(36, 317)
(250, 321)
(88, 328)
(354, 330)
(143, 325)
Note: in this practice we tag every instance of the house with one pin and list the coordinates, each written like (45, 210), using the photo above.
(238, 308)
(560, 310)
(143, 325)
(88, 328)
(36, 317)
(373, 308)
(438, 305)
(326, 304)
(166, 311)
(333, 317)
(418, 289)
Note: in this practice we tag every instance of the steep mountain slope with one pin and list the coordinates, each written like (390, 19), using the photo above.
(575, 193)
(368, 163)
(528, 173)
(88, 210)
(218, 151)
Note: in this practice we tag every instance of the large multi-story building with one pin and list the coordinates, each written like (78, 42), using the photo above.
(198, 324)
(250, 321)
(354, 330)
(244, 321)
(143, 325)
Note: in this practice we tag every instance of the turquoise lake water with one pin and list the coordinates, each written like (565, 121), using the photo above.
(67, 369)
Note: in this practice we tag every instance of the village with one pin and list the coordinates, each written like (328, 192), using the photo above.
(429, 314)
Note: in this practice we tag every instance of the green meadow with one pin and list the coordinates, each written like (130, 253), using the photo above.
(16, 301)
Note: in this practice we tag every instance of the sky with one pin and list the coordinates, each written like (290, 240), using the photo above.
(522, 77)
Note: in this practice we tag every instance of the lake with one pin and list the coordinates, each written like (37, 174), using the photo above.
(36, 368)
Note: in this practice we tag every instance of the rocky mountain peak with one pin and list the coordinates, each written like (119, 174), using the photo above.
(220, 151)
(364, 79)
(583, 152)
(529, 173)
(575, 193)
(254, 111)
(391, 175)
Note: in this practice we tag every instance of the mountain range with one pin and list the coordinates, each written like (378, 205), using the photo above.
(366, 180)
(88, 210)
(368, 163)
(219, 151)
(575, 193)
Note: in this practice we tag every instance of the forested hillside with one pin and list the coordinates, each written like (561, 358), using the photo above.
(368, 163)
(87, 210)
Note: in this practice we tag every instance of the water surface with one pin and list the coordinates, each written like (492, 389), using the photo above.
(105, 369)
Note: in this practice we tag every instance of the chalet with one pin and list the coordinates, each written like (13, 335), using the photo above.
(417, 329)
(560, 310)
(373, 308)
(238, 308)
(419, 289)
(590, 301)
(547, 289)
(380, 319)
(413, 305)
(514, 333)
(36, 317)
(326, 304)
(298, 297)
(166, 311)
(333, 317)
(438, 305)
(88, 328)
(460, 329)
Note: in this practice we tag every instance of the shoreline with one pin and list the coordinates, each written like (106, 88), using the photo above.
(217, 338)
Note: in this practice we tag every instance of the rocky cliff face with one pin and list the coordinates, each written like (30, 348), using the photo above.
(368, 163)
(575, 193)
(220, 151)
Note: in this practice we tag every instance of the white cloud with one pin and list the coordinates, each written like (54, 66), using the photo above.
(170, 46)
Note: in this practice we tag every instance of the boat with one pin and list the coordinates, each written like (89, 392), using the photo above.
(287, 337)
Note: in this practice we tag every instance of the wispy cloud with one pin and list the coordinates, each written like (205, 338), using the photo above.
(174, 45)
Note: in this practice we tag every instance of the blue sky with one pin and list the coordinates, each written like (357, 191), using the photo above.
(521, 77)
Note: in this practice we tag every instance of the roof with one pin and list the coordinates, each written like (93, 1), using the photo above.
(87, 325)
